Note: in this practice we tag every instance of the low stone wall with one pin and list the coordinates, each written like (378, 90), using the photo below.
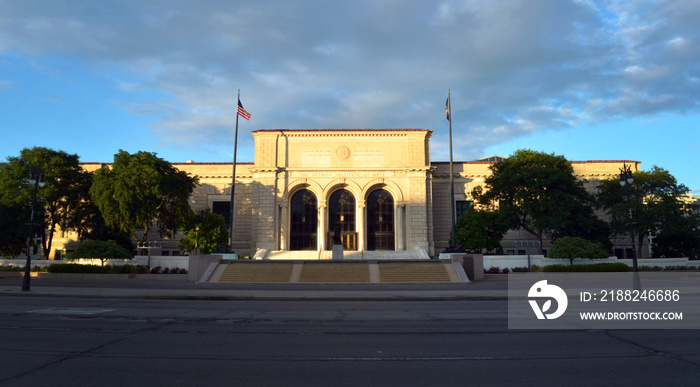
(181, 262)
(513, 261)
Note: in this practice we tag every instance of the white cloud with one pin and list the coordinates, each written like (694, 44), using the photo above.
(513, 67)
(6, 85)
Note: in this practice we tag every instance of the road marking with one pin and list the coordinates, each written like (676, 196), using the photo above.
(71, 311)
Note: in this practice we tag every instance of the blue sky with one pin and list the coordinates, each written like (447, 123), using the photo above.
(590, 80)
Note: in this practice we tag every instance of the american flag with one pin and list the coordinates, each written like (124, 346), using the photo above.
(447, 107)
(242, 112)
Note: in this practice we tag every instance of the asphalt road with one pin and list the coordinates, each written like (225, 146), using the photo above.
(112, 342)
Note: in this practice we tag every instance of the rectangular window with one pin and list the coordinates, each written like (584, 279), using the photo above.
(223, 209)
(461, 207)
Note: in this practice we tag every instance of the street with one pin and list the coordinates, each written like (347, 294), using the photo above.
(49, 341)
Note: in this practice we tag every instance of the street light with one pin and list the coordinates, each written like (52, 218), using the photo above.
(36, 178)
(527, 245)
(148, 246)
(626, 181)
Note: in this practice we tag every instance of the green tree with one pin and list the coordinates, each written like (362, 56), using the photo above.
(659, 208)
(572, 247)
(539, 193)
(56, 201)
(207, 230)
(140, 189)
(481, 229)
(87, 221)
(13, 231)
(102, 250)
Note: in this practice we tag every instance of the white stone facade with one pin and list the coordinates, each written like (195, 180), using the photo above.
(379, 186)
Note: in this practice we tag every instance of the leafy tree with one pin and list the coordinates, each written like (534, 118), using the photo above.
(103, 250)
(679, 236)
(539, 193)
(481, 229)
(13, 231)
(139, 189)
(56, 201)
(207, 230)
(572, 247)
(659, 209)
(88, 222)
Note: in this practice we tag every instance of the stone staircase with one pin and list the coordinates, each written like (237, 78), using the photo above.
(338, 272)
(251, 273)
(413, 272)
(347, 255)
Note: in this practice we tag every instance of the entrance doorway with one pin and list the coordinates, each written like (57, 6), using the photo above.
(304, 221)
(341, 214)
(380, 220)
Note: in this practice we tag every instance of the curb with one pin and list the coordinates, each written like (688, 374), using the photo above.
(264, 295)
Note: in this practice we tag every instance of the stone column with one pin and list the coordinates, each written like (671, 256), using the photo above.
(284, 226)
(360, 225)
(400, 227)
(321, 233)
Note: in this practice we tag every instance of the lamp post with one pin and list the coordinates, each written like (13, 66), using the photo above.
(527, 245)
(626, 181)
(148, 246)
(36, 178)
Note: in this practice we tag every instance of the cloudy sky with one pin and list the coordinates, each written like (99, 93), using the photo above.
(590, 80)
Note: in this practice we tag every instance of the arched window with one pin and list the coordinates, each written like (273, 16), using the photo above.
(341, 214)
(380, 220)
(304, 221)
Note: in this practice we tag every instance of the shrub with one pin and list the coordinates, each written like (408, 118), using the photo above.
(598, 267)
(572, 247)
(128, 269)
(520, 269)
(116, 269)
(101, 250)
(11, 268)
(492, 270)
(75, 268)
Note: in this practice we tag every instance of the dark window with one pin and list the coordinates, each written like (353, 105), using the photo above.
(341, 214)
(223, 209)
(304, 219)
(380, 221)
(461, 207)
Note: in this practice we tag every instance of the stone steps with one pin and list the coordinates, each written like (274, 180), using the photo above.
(413, 272)
(347, 255)
(267, 273)
(336, 272)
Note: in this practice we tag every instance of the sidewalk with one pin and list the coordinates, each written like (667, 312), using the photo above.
(183, 290)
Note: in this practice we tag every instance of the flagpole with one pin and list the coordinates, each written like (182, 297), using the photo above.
(452, 176)
(233, 177)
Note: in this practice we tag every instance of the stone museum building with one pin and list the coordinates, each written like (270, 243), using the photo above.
(378, 188)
